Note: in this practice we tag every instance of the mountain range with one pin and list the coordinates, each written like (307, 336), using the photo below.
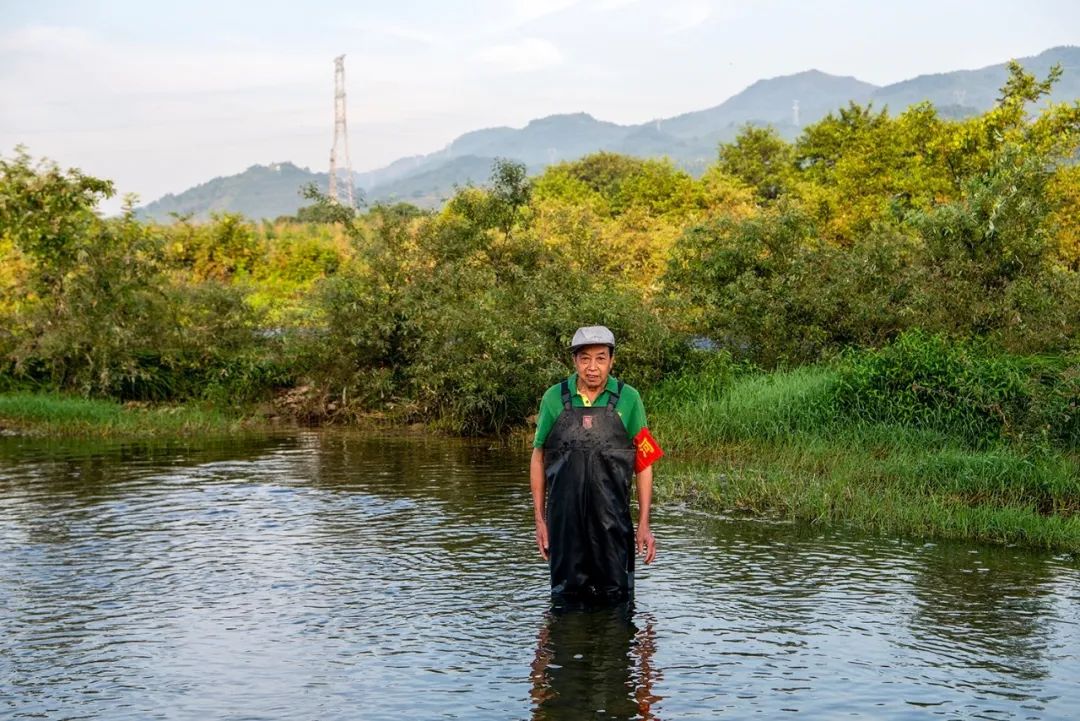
(787, 103)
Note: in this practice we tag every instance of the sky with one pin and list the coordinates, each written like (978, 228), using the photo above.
(161, 96)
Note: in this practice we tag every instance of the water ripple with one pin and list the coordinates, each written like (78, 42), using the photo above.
(333, 576)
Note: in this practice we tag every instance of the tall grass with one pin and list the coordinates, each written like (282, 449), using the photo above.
(814, 445)
(59, 415)
(769, 406)
(837, 489)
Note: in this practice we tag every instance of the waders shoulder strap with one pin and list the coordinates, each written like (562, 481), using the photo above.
(566, 395)
(613, 399)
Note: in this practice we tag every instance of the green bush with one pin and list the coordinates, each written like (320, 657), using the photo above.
(96, 310)
(486, 371)
(217, 347)
(935, 234)
(767, 290)
(464, 319)
(967, 390)
(988, 266)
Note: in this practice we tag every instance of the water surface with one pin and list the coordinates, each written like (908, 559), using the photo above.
(337, 576)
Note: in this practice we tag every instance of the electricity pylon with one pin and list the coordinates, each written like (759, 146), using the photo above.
(341, 137)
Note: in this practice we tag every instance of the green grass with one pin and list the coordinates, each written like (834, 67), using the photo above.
(43, 414)
(770, 406)
(779, 445)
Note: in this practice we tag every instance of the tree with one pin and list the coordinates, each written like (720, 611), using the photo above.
(48, 214)
(760, 158)
(510, 188)
(323, 208)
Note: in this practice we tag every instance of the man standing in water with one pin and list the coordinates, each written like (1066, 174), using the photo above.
(591, 439)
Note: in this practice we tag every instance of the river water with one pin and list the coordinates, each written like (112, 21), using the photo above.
(338, 576)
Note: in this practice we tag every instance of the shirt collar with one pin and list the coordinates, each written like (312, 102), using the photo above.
(611, 386)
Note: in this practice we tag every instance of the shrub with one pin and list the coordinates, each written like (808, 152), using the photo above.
(967, 390)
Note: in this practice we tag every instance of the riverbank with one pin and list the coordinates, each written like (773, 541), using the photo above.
(779, 445)
(785, 445)
(47, 414)
(944, 494)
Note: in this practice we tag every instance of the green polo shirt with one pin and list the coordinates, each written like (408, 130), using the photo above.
(630, 408)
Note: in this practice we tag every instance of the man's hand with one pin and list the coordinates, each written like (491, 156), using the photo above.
(541, 538)
(646, 543)
(537, 483)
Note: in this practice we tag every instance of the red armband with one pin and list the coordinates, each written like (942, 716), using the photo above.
(648, 450)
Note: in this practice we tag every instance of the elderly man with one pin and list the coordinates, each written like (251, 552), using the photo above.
(591, 439)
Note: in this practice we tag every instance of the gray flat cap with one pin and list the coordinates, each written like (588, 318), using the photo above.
(592, 335)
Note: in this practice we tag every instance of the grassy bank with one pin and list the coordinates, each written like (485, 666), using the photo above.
(39, 414)
(788, 445)
(920, 439)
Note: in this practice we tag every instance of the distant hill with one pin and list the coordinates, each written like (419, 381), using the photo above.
(690, 139)
(431, 187)
(261, 191)
(977, 90)
(771, 102)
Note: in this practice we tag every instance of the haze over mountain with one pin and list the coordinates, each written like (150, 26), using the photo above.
(690, 140)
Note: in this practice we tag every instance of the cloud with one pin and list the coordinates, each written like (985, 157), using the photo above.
(524, 56)
(397, 31)
(40, 38)
(526, 10)
(684, 16)
(69, 62)
(614, 4)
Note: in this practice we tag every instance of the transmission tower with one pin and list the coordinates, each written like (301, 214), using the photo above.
(341, 137)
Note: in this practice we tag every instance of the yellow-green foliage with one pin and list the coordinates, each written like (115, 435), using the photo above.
(276, 264)
(218, 250)
(293, 258)
(880, 224)
(761, 159)
(1063, 194)
(14, 271)
(868, 225)
(618, 215)
(860, 166)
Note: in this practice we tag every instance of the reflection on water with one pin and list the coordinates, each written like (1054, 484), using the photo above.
(594, 663)
(337, 576)
(983, 599)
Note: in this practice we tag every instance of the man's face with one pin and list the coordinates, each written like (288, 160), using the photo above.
(593, 364)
